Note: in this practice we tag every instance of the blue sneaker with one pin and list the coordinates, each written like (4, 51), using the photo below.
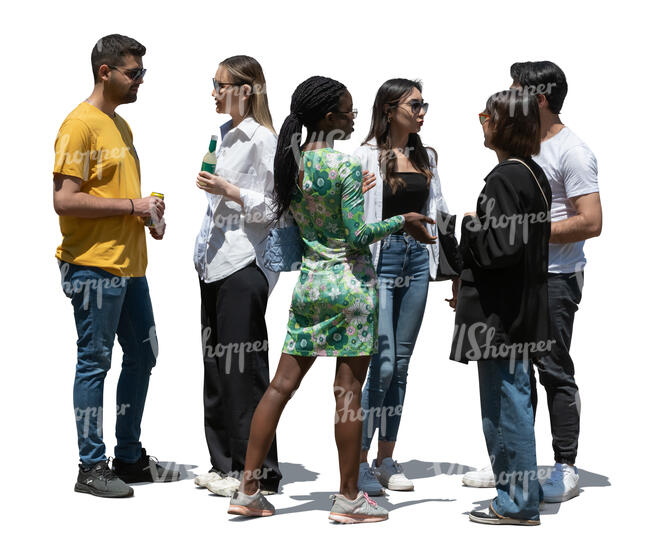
(368, 482)
(562, 485)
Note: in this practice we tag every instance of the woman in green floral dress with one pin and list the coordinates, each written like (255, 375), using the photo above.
(334, 305)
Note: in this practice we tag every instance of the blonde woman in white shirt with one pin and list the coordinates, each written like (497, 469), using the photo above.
(234, 283)
(406, 180)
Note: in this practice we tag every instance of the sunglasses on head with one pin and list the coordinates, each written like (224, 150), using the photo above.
(133, 74)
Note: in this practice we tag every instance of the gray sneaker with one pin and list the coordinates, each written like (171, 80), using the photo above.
(99, 480)
(254, 505)
(360, 510)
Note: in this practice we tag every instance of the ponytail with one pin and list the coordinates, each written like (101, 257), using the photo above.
(310, 102)
(285, 166)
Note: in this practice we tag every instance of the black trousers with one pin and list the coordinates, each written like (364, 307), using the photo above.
(236, 367)
(556, 371)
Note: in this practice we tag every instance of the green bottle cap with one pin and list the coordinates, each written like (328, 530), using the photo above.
(213, 144)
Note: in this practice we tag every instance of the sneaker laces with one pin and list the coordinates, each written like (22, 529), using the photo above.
(149, 460)
(106, 472)
(370, 501)
(557, 476)
(367, 475)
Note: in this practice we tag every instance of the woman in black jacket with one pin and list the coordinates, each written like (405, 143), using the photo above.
(502, 310)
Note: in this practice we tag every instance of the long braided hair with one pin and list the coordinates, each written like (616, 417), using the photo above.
(310, 102)
(390, 93)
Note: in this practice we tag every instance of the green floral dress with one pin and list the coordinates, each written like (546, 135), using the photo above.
(334, 304)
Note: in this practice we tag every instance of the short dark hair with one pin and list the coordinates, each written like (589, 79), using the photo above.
(111, 49)
(542, 78)
(514, 117)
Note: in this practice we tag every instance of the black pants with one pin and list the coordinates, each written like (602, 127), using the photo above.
(236, 363)
(556, 371)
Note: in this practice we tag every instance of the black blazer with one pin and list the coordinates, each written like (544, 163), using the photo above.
(502, 308)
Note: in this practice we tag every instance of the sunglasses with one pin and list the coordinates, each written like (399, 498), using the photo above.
(133, 74)
(417, 106)
(483, 117)
(219, 85)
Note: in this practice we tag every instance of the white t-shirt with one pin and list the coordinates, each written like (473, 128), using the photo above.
(571, 169)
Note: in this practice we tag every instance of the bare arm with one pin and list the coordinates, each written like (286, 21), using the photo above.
(587, 223)
(69, 200)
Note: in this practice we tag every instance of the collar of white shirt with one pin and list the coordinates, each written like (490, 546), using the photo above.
(246, 126)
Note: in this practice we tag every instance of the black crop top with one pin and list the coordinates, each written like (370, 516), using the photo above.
(412, 197)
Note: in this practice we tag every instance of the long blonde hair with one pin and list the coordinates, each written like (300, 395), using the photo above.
(246, 69)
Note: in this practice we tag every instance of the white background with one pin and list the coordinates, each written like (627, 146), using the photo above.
(462, 52)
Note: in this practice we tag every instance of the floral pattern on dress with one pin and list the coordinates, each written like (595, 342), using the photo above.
(334, 303)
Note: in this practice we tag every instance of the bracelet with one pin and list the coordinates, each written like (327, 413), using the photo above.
(132, 208)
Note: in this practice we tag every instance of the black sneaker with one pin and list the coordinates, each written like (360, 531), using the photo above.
(492, 518)
(100, 481)
(146, 469)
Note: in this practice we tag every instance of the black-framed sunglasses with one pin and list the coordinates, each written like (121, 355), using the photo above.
(133, 74)
(219, 85)
(416, 106)
(353, 112)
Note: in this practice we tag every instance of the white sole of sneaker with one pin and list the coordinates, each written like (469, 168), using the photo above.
(504, 521)
(479, 484)
(239, 510)
(564, 497)
(223, 492)
(355, 518)
(394, 487)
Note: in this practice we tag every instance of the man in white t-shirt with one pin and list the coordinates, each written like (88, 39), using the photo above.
(576, 215)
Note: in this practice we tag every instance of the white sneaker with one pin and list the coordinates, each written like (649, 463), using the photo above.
(391, 476)
(480, 478)
(202, 480)
(562, 485)
(224, 487)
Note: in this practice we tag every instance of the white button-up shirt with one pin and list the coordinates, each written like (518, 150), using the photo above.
(368, 156)
(231, 237)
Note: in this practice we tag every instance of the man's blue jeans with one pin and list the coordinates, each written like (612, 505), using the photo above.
(509, 430)
(403, 278)
(106, 305)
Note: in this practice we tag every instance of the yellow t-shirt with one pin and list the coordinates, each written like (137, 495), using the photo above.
(99, 150)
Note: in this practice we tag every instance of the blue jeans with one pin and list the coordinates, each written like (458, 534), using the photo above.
(106, 305)
(403, 278)
(509, 430)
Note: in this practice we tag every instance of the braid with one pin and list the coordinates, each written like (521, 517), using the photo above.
(310, 102)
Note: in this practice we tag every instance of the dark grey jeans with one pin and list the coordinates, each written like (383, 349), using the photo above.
(556, 370)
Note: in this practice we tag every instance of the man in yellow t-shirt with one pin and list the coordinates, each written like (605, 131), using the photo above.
(103, 258)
